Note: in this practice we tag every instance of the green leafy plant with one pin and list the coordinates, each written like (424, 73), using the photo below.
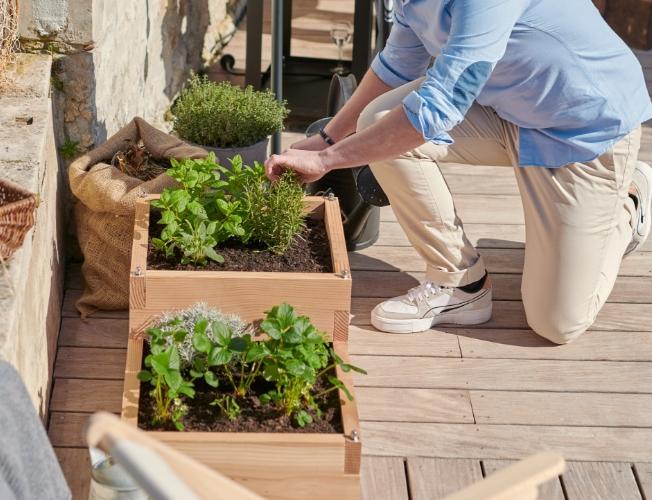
(274, 212)
(197, 216)
(299, 356)
(229, 406)
(225, 116)
(214, 204)
(163, 371)
(202, 344)
(69, 149)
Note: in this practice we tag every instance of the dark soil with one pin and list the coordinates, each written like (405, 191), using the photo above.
(310, 253)
(254, 416)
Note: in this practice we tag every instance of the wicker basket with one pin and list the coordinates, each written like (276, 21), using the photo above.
(17, 209)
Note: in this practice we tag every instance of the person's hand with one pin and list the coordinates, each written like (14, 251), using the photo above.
(312, 143)
(309, 165)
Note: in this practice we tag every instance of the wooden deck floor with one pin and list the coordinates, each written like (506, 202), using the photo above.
(443, 408)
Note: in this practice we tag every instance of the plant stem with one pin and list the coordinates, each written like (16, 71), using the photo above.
(329, 367)
(326, 391)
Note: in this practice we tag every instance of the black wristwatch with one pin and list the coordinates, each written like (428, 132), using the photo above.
(327, 138)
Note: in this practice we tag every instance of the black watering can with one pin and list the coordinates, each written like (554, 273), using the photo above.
(359, 193)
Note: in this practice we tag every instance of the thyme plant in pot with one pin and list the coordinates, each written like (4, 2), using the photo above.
(227, 119)
(270, 405)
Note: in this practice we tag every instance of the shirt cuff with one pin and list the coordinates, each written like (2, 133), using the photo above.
(387, 74)
(427, 122)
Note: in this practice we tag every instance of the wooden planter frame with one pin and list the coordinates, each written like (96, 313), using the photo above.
(324, 297)
(275, 465)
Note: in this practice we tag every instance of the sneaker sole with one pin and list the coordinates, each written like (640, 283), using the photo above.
(647, 172)
(474, 317)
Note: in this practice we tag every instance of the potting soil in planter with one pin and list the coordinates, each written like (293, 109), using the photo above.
(309, 253)
(254, 417)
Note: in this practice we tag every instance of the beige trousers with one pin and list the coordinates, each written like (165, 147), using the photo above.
(577, 218)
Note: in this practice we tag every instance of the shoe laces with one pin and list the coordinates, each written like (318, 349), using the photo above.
(423, 292)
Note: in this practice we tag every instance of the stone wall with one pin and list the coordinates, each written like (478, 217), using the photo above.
(116, 60)
(31, 290)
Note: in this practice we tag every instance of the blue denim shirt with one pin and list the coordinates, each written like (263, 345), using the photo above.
(552, 67)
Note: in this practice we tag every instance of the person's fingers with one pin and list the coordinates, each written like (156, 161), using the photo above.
(273, 168)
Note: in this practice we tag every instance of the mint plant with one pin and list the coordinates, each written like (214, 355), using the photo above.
(214, 204)
(197, 216)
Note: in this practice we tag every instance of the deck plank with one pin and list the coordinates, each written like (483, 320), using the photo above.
(406, 439)
(480, 235)
(644, 475)
(498, 260)
(75, 464)
(367, 340)
(90, 363)
(510, 315)
(82, 395)
(504, 374)
(550, 490)
(600, 481)
(627, 289)
(562, 408)
(66, 429)
(593, 345)
(94, 332)
(485, 209)
(383, 478)
(435, 478)
(414, 405)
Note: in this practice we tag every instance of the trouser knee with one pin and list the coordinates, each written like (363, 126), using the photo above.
(556, 325)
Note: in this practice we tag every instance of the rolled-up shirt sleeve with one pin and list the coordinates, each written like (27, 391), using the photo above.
(404, 57)
(478, 39)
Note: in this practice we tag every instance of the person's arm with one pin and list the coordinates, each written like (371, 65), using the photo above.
(343, 124)
(477, 41)
(403, 59)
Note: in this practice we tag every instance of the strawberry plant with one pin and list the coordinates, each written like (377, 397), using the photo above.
(163, 371)
(202, 344)
(299, 356)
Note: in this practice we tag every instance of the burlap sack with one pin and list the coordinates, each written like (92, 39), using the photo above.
(104, 211)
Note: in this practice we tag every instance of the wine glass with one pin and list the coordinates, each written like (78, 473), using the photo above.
(341, 34)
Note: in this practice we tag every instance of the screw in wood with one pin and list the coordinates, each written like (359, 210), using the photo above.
(331, 196)
(138, 271)
(345, 274)
(355, 436)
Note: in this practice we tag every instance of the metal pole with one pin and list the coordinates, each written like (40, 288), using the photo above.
(277, 62)
(254, 42)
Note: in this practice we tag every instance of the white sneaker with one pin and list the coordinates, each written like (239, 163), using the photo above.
(642, 184)
(429, 304)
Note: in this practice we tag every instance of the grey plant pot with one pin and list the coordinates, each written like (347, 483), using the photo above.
(250, 154)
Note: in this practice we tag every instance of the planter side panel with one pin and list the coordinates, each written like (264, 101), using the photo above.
(276, 466)
(326, 299)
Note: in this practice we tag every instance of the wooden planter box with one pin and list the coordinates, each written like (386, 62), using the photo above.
(324, 297)
(275, 465)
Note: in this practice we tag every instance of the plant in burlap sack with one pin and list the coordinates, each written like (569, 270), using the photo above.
(224, 115)
(106, 196)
